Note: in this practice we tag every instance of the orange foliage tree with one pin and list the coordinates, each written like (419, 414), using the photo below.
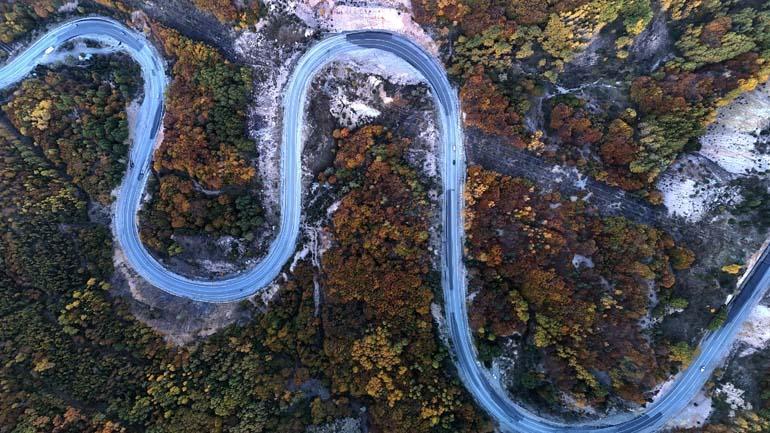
(485, 108)
(228, 11)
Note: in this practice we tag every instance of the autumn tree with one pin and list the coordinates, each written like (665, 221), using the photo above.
(229, 11)
(485, 108)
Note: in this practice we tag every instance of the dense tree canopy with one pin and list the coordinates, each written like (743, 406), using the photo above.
(232, 11)
(378, 331)
(572, 285)
(77, 116)
(546, 272)
(720, 50)
(74, 358)
(206, 182)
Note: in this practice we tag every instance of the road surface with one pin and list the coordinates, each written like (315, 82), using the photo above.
(510, 417)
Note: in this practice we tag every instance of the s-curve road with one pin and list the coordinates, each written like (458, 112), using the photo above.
(509, 416)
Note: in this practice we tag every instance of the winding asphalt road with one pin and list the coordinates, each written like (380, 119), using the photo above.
(509, 416)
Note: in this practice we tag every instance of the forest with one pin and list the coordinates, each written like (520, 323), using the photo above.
(205, 181)
(547, 273)
(18, 18)
(507, 55)
(571, 288)
(77, 116)
(74, 358)
(379, 286)
(238, 12)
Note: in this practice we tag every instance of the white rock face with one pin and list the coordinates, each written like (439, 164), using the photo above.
(734, 397)
(345, 425)
(428, 156)
(67, 7)
(335, 16)
(682, 198)
(755, 333)
(580, 260)
(386, 65)
(267, 106)
(351, 113)
(694, 415)
(730, 141)
(690, 191)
